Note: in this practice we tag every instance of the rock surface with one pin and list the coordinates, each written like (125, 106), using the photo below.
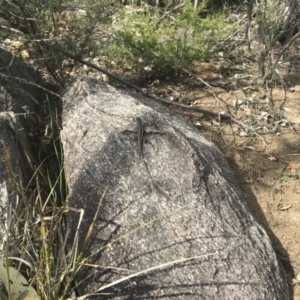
(179, 200)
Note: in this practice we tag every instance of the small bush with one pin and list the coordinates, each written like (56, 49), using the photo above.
(46, 27)
(156, 39)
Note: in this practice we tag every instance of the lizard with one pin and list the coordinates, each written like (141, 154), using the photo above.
(140, 134)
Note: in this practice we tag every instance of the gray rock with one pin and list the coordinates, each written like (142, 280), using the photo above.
(181, 201)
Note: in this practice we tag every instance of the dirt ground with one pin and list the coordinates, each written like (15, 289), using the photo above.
(261, 144)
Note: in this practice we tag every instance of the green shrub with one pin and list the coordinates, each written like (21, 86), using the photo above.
(157, 40)
(139, 36)
(48, 26)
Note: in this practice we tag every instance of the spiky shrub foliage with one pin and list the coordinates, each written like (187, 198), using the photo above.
(45, 27)
(156, 38)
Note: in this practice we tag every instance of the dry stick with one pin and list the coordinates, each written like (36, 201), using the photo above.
(249, 129)
(174, 65)
(277, 38)
(11, 29)
(163, 265)
(236, 32)
(282, 51)
(205, 83)
(146, 94)
(15, 78)
(218, 100)
(155, 268)
(92, 225)
(170, 11)
(221, 116)
(288, 17)
(88, 236)
(248, 25)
